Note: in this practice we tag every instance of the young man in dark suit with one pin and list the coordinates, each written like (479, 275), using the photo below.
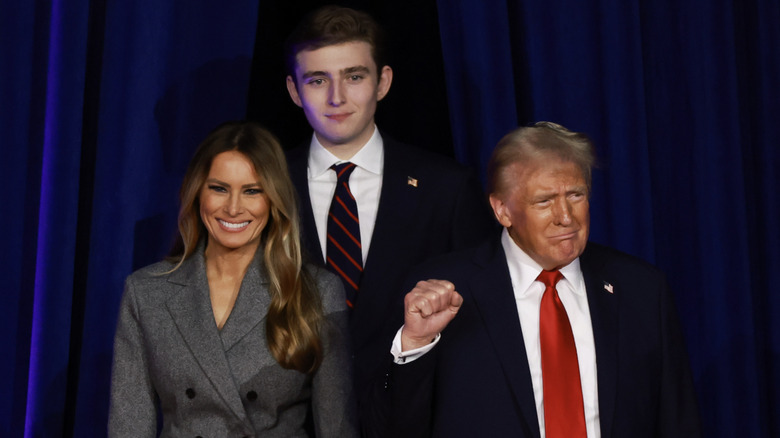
(396, 205)
(548, 334)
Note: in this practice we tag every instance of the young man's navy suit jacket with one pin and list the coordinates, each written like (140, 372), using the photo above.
(429, 205)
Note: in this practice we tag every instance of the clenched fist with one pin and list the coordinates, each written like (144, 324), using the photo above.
(428, 308)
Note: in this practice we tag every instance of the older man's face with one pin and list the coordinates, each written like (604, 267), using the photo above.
(544, 205)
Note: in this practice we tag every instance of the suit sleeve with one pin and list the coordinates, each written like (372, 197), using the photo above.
(333, 399)
(411, 397)
(678, 411)
(399, 403)
(133, 410)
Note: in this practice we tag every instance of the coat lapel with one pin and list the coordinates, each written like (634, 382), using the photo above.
(603, 296)
(251, 305)
(190, 309)
(494, 299)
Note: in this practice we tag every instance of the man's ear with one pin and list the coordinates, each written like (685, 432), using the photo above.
(385, 80)
(293, 90)
(500, 210)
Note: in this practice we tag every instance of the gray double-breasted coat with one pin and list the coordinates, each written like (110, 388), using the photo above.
(169, 354)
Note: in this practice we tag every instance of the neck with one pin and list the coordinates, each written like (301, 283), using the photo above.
(343, 151)
(229, 263)
(347, 150)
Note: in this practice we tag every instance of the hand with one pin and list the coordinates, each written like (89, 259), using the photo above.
(428, 308)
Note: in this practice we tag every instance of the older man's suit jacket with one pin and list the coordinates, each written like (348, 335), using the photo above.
(168, 353)
(476, 381)
(442, 210)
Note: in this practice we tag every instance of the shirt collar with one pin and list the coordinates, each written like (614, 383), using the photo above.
(524, 269)
(370, 157)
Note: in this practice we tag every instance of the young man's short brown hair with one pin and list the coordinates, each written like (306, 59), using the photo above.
(331, 25)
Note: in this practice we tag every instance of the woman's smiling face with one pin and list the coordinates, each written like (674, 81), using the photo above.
(233, 206)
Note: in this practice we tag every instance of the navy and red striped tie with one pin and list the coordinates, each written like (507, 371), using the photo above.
(343, 251)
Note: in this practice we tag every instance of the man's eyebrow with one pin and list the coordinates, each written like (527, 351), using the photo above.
(547, 194)
(310, 74)
(540, 196)
(356, 69)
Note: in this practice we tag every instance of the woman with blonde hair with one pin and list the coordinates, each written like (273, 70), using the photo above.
(233, 335)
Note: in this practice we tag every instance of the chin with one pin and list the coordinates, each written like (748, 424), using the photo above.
(565, 260)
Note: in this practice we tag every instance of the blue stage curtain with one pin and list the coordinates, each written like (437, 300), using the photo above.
(102, 103)
(102, 106)
(682, 99)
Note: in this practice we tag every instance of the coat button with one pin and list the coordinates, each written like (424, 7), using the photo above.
(251, 396)
(190, 393)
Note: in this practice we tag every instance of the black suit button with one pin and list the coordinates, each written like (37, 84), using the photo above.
(251, 396)
(190, 393)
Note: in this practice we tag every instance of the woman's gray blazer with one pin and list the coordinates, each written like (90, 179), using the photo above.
(168, 353)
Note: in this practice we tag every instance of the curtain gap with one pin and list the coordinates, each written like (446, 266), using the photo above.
(89, 138)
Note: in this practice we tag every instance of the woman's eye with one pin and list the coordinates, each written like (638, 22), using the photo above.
(216, 188)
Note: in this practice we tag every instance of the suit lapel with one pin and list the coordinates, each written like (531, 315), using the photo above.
(298, 163)
(397, 192)
(603, 306)
(397, 187)
(387, 240)
(190, 309)
(494, 299)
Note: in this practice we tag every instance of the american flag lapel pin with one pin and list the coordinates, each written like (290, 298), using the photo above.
(608, 287)
(411, 181)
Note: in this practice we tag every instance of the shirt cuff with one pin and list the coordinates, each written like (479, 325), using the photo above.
(402, 357)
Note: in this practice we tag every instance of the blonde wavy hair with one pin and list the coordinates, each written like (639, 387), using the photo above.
(295, 313)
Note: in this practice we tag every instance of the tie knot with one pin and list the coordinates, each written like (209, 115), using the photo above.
(343, 170)
(550, 278)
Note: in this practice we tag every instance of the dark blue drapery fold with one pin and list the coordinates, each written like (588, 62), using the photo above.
(103, 104)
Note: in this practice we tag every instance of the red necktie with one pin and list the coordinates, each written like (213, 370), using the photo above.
(343, 251)
(564, 415)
